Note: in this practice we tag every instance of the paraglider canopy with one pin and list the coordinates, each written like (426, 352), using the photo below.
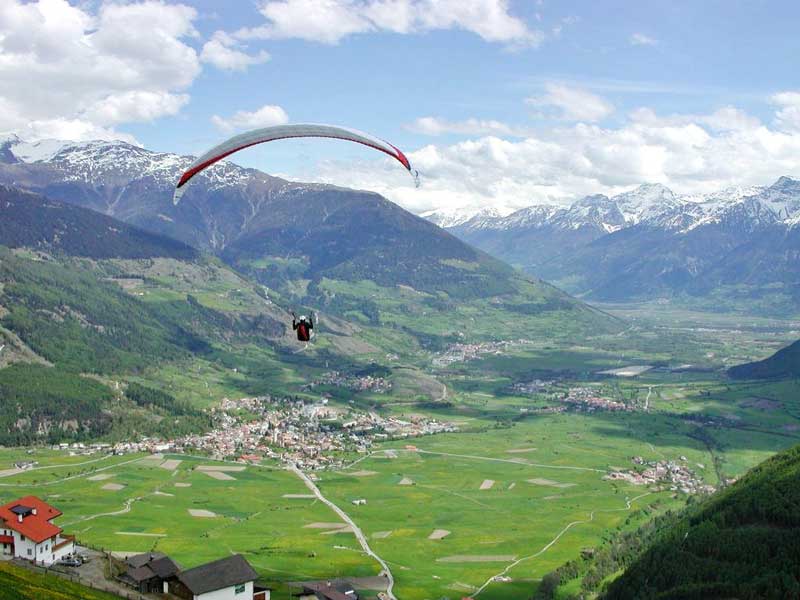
(282, 132)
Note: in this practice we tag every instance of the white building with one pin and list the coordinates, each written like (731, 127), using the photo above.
(27, 531)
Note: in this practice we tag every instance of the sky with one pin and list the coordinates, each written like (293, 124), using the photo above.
(498, 103)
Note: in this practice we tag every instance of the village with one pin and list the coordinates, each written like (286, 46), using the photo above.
(353, 383)
(581, 398)
(674, 474)
(289, 430)
(457, 353)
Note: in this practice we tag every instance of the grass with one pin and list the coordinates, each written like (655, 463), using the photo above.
(18, 583)
(504, 521)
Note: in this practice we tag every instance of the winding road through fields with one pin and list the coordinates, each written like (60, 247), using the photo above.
(362, 539)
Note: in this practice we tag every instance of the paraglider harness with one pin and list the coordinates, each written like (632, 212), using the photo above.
(303, 327)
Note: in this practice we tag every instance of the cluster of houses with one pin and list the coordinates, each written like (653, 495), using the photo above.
(27, 532)
(354, 383)
(457, 353)
(679, 477)
(311, 436)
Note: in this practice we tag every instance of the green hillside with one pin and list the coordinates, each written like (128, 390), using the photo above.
(17, 583)
(783, 364)
(363, 258)
(33, 221)
(744, 542)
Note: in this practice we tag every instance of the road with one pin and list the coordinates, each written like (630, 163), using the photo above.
(647, 400)
(356, 530)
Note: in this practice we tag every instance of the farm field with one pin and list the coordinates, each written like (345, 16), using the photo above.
(448, 522)
(197, 515)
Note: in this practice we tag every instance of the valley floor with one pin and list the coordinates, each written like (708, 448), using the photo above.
(549, 459)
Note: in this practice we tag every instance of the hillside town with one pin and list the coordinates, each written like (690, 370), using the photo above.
(311, 436)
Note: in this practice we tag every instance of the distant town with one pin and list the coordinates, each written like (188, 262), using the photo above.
(292, 431)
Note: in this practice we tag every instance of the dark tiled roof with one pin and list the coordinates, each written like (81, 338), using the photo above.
(325, 591)
(139, 560)
(164, 567)
(217, 575)
(141, 573)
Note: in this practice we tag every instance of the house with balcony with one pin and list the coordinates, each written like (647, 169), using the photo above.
(27, 531)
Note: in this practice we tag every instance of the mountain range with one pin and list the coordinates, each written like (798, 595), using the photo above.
(313, 245)
(730, 249)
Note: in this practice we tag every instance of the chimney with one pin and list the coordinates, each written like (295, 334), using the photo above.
(34, 512)
(19, 518)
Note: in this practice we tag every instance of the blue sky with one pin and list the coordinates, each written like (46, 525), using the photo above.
(500, 103)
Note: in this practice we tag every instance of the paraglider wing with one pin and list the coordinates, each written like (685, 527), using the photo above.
(281, 132)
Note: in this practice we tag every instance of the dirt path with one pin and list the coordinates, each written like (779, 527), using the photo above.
(126, 508)
(647, 400)
(362, 540)
(550, 544)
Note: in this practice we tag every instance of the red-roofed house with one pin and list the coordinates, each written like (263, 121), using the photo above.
(26, 531)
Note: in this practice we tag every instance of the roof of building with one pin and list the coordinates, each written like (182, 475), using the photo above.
(326, 591)
(165, 567)
(138, 560)
(36, 527)
(157, 563)
(217, 575)
(139, 574)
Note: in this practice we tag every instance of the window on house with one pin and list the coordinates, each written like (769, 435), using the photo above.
(30, 552)
(240, 589)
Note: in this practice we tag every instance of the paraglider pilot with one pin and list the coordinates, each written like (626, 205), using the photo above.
(303, 327)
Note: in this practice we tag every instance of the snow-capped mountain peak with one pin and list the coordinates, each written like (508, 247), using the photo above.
(647, 202)
(99, 160)
(454, 217)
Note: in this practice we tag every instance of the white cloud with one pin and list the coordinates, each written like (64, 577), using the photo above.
(225, 52)
(689, 153)
(788, 115)
(67, 71)
(265, 116)
(330, 21)
(135, 106)
(640, 39)
(572, 103)
(438, 126)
